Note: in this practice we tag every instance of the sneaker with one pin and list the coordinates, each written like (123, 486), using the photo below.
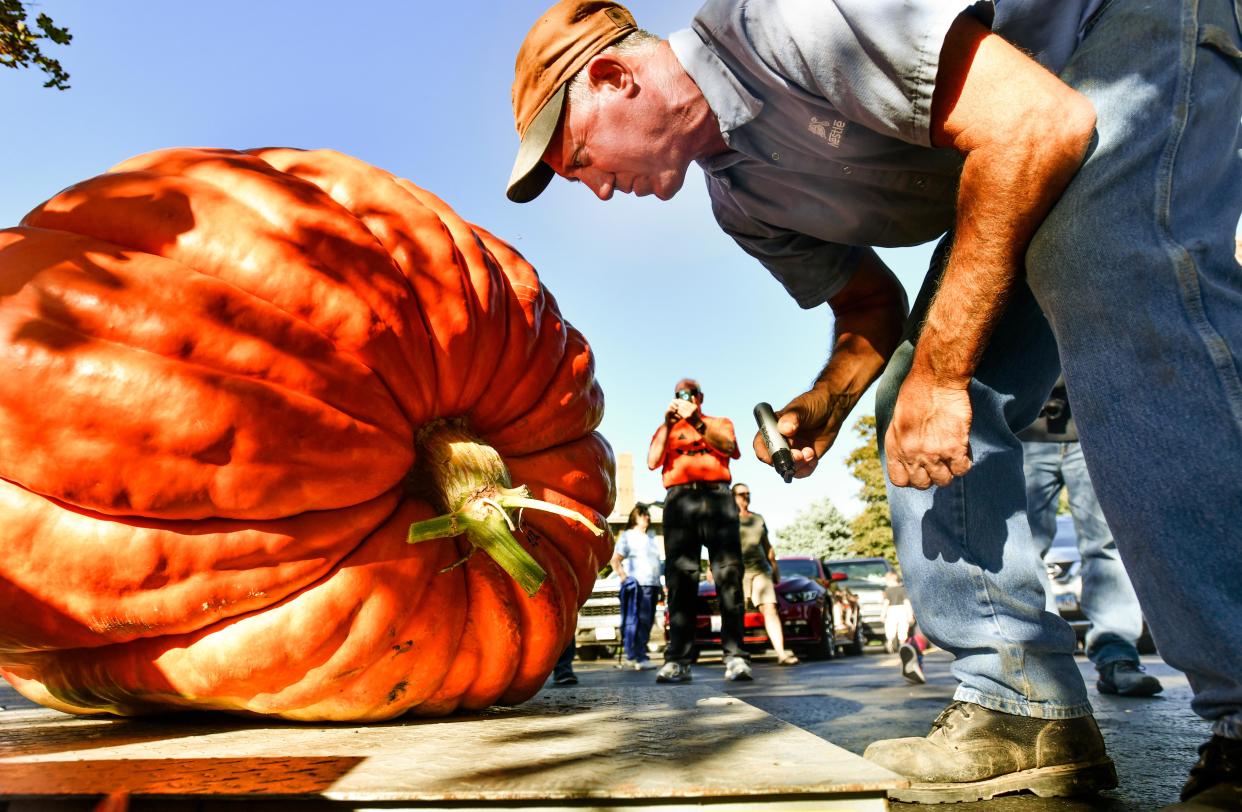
(1216, 780)
(627, 665)
(911, 669)
(644, 665)
(674, 672)
(973, 754)
(1127, 678)
(738, 669)
(564, 679)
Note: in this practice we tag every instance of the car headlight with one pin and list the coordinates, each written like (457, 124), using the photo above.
(805, 596)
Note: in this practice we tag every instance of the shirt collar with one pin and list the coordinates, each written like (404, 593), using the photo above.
(731, 102)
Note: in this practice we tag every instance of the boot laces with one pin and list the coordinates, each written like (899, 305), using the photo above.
(947, 717)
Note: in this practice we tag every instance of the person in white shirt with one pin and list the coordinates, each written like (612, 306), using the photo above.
(636, 561)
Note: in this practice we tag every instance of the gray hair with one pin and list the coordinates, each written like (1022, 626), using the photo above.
(634, 42)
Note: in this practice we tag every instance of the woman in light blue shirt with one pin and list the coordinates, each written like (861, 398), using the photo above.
(636, 560)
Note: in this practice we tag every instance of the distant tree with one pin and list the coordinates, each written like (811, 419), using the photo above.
(20, 46)
(873, 528)
(820, 530)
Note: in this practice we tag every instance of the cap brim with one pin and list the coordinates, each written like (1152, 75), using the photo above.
(530, 174)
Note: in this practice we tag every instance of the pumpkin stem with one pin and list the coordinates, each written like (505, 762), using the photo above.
(523, 500)
(470, 481)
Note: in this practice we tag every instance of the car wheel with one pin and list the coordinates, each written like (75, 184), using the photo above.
(857, 642)
(588, 653)
(826, 647)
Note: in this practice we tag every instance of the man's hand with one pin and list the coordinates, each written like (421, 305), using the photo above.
(928, 442)
(810, 422)
(680, 410)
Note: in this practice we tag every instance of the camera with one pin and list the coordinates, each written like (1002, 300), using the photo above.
(685, 394)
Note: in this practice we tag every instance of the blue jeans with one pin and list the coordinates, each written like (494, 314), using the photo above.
(565, 663)
(1134, 267)
(1108, 599)
(638, 606)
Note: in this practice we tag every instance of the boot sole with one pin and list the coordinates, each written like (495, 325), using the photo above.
(1045, 782)
(1141, 690)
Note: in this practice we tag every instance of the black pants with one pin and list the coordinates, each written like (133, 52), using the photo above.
(695, 516)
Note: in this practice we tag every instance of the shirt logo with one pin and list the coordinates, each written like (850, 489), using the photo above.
(830, 131)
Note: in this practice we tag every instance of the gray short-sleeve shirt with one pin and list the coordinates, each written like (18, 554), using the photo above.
(826, 108)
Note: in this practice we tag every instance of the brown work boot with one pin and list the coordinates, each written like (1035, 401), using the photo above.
(1216, 781)
(972, 754)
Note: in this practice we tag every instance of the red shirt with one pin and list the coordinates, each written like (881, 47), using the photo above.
(690, 458)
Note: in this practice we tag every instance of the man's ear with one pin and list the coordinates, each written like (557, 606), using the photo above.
(607, 71)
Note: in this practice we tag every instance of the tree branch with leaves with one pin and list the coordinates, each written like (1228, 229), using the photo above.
(873, 528)
(21, 45)
(820, 530)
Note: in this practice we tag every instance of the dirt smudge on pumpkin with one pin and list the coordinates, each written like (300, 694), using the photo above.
(397, 690)
(402, 648)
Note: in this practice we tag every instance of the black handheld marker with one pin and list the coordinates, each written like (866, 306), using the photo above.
(778, 447)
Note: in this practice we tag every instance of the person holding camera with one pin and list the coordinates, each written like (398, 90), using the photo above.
(1052, 460)
(693, 450)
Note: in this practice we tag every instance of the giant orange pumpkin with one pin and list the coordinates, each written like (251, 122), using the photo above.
(258, 413)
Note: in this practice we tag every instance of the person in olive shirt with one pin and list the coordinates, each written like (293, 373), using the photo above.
(762, 573)
(693, 450)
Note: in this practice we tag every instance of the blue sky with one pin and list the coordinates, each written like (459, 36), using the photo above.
(422, 89)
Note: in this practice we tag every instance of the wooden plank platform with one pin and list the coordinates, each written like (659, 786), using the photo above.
(650, 746)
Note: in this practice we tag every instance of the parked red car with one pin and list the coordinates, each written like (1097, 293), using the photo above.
(818, 618)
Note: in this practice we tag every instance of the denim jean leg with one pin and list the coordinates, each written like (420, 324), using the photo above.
(1041, 467)
(1134, 267)
(629, 615)
(1108, 598)
(644, 620)
(973, 571)
(565, 663)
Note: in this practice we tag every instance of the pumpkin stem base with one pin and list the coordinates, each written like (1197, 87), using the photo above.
(470, 481)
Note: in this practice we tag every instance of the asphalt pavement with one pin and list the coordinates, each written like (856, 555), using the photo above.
(852, 701)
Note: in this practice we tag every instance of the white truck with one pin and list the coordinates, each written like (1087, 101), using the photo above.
(599, 621)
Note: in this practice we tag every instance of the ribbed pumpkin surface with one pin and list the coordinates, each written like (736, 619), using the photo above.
(217, 370)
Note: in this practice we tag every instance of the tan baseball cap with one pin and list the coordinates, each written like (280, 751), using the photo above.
(559, 44)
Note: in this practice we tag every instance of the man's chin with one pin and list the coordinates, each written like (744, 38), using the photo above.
(667, 192)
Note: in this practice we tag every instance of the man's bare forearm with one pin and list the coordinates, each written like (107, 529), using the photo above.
(869, 317)
(721, 439)
(870, 312)
(655, 454)
(1015, 168)
(1001, 203)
